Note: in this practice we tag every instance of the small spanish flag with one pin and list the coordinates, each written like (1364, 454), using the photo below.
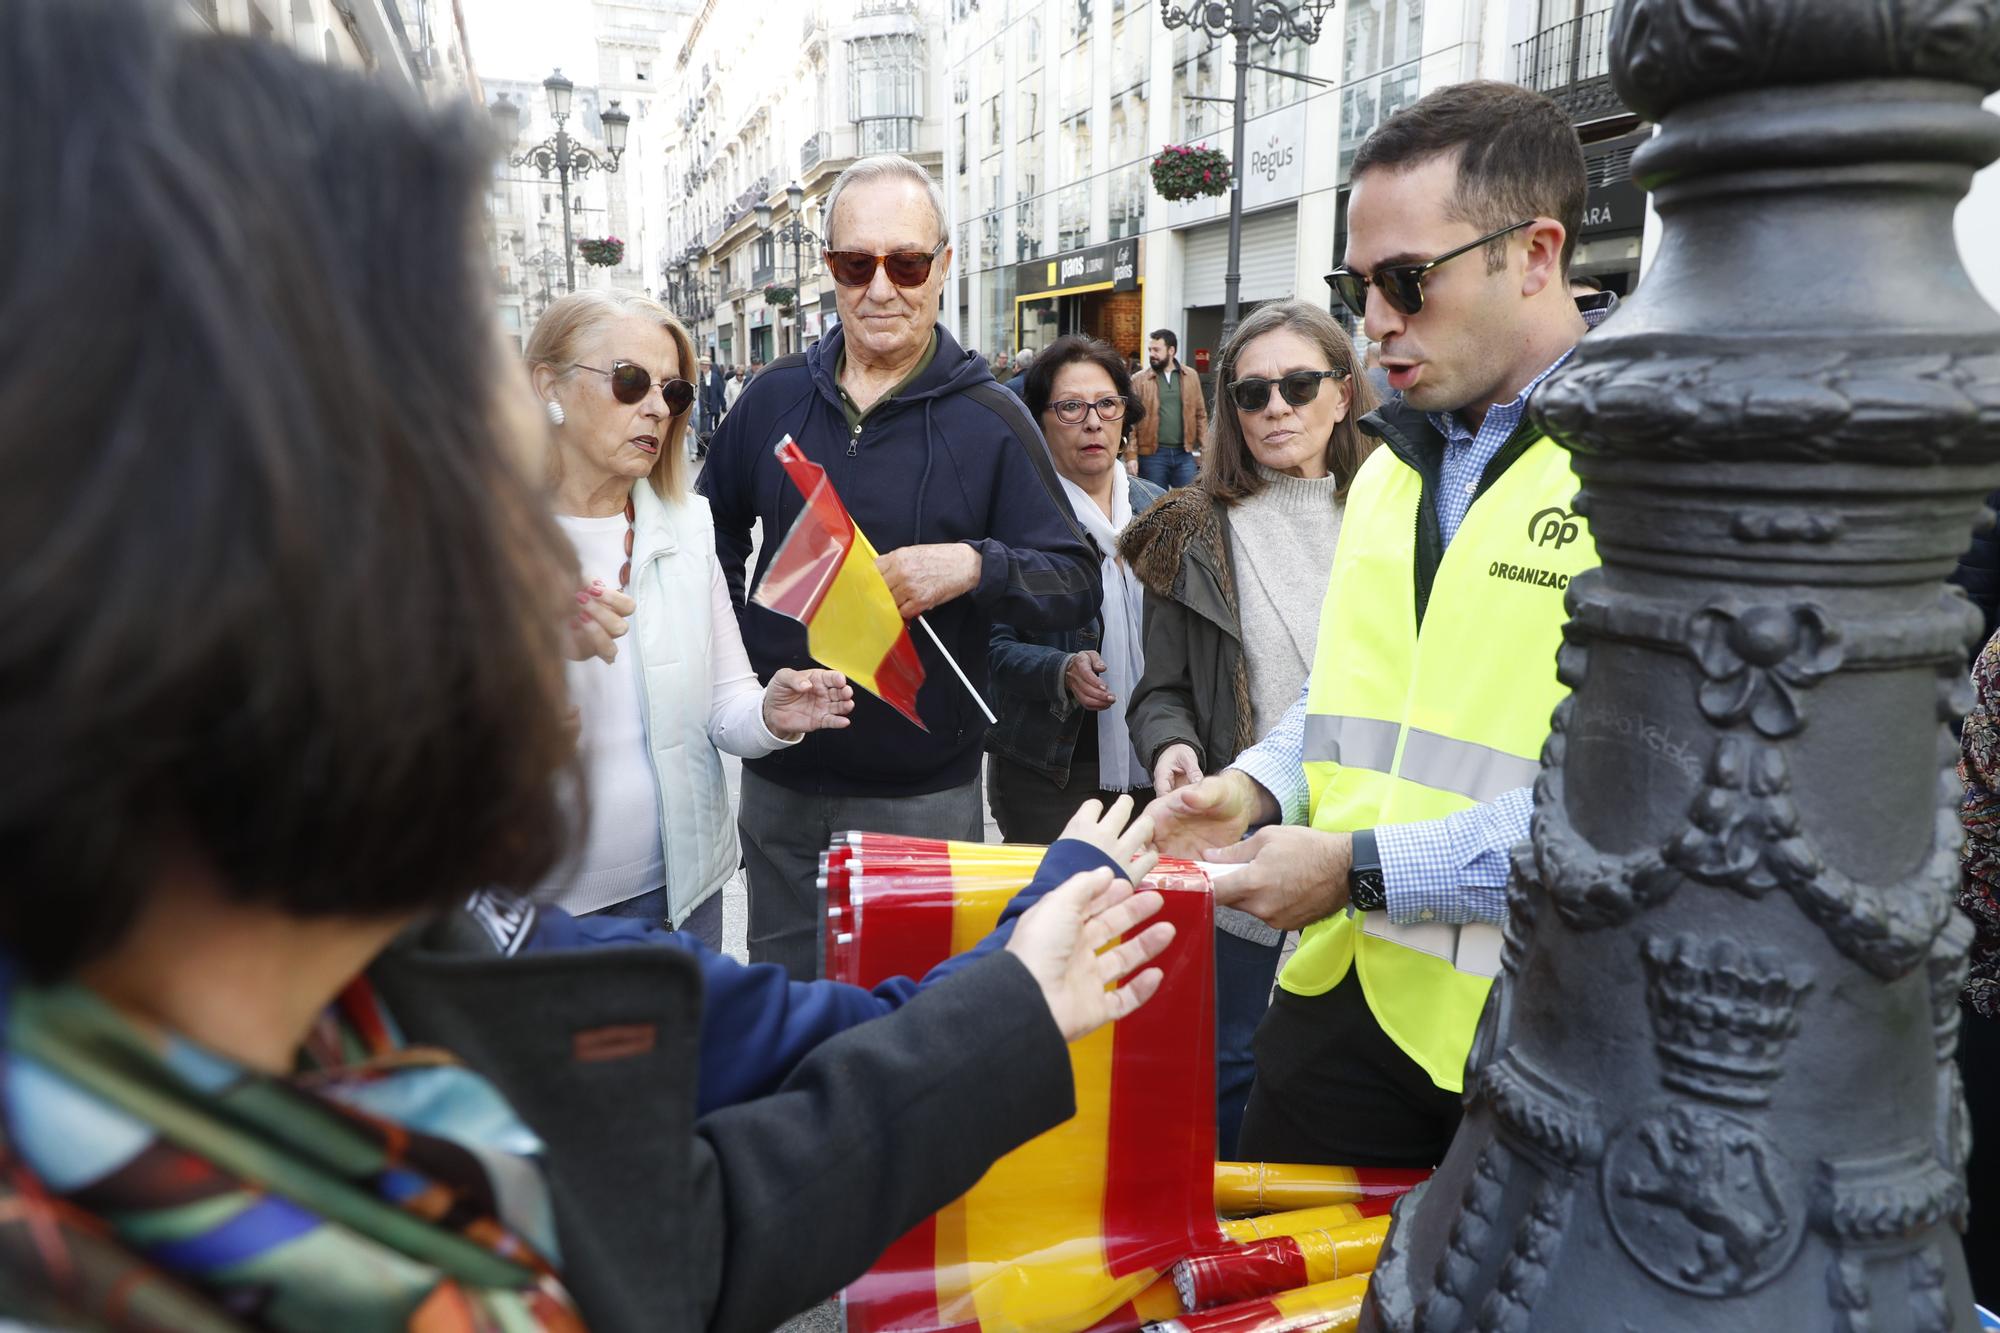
(824, 577)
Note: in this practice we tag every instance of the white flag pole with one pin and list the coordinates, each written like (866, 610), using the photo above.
(991, 720)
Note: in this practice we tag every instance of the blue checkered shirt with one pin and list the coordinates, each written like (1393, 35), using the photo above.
(1454, 869)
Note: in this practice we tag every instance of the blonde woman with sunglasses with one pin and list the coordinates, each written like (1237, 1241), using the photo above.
(661, 683)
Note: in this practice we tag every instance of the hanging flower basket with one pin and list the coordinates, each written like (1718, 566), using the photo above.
(605, 253)
(781, 296)
(1181, 172)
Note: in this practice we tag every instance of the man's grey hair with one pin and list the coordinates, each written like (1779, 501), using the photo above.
(1023, 359)
(881, 167)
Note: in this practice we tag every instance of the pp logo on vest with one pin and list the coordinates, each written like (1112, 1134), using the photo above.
(1554, 525)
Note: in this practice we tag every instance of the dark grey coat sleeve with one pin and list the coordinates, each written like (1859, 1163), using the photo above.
(798, 1192)
(1161, 712)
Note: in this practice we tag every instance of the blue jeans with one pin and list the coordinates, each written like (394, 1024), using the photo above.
(1169, 466)
(1244, 971)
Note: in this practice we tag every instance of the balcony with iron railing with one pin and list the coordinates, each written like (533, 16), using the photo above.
(1570, 61)
(814, 151)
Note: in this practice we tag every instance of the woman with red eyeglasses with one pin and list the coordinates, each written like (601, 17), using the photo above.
(654, 706)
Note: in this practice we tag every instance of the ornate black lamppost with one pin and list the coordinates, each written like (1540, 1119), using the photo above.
(1714, 1085)
(1266, 20)
(562, 154)
(794, 233)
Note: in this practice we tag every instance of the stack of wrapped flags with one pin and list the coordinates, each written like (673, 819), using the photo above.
(1120, 1219)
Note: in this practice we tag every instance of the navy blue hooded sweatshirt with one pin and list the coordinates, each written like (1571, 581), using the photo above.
(953, 457)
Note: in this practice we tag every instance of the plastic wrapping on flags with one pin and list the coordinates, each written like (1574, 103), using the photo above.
(1281, 1263)
(823, 575)
(1079, 1231)
(1257, 1187)
(1326, 1307)
(1066, 1231)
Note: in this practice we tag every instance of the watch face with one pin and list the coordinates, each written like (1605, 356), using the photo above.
(1365, 890)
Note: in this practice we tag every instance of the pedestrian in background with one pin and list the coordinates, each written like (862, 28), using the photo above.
(1168, 442)
(1060, 694)
(1235, 569)
(945, 472)
(732, 391)
(656, 707)
(1017, 383)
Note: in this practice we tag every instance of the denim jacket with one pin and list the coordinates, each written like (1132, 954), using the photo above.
(1039, 718)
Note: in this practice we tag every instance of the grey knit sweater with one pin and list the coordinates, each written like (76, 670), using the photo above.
(1282, 542)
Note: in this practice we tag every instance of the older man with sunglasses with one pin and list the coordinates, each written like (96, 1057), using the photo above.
(947, 474)
(1410, 754)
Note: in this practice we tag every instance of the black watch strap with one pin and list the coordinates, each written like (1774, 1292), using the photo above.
(1365, 889)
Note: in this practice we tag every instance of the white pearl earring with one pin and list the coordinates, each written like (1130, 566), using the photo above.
(556, 414)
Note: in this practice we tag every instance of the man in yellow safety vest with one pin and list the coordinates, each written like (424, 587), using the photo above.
(1394, 789)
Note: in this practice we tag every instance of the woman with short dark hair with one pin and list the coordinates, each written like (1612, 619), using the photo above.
(1235, 569)
(281, 681)
(1062, 738)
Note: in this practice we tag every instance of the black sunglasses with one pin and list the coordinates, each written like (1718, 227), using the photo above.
(631, 383)
(856, 268)
(1402, 285)
(1298, 388)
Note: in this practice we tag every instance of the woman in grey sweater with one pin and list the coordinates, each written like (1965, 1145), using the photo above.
(1234, 569)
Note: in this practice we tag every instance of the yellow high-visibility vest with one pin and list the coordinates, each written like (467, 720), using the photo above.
(1404, 724)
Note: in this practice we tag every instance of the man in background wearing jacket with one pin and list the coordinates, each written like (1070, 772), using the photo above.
(946, 474)
(1167, 441)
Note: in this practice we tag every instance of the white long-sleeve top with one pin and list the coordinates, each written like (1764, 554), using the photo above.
(623, 853)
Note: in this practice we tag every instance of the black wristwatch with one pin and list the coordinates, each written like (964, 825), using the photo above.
(1365, 890)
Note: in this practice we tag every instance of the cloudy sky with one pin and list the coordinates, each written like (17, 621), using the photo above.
(525, 39)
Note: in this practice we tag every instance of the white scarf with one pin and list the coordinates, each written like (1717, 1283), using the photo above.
(1123, 648)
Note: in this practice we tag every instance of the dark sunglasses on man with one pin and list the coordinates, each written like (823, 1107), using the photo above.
(1298, 388)
(631, 383)
(856, 268)
(1401, 285)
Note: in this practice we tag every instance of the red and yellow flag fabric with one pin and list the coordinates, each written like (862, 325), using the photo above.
(1279, 1264)
(1076, 1227)
(1258, 1187)
(1088, 1228)
(824, 577)
(1325, 1307)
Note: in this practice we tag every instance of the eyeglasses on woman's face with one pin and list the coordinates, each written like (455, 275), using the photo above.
(1297, 388)
(1071, 411)
(630, 383)
(1401, 285)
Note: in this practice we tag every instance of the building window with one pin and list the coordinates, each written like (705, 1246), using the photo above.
(1029, 49)
(1130, 184)
(1198, 73)
(642, 71)
(1073, 77)
(961, 143)
(993, 123)
(989, 241)
(1073, 216)
(1384, 39)
(1028, 114)
(1028, 216)
(884, 91)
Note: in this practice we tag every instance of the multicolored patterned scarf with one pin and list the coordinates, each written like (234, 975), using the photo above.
(147, 1183)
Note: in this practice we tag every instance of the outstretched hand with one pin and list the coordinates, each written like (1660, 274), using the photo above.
(1213, 812)
(1131, 846)
(796, 702)
(1059, 938)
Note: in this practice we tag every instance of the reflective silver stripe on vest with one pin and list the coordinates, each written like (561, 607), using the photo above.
(1473, 949)
(1470, 769)
(1358, 742)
